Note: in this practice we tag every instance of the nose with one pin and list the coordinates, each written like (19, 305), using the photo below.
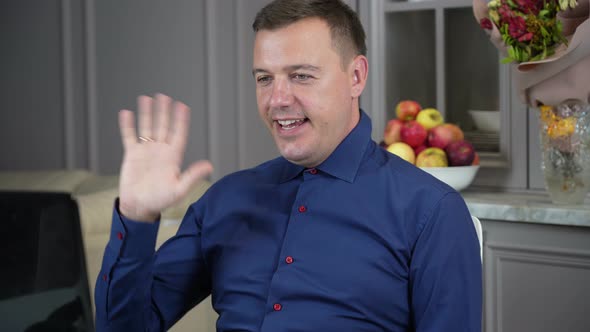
(281, 94)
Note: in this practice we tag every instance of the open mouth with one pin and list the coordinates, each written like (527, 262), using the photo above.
(291, 124)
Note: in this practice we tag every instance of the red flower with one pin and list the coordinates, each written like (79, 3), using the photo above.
(530, 6)
(485, 23)
(526, 37)
(516, 27)
(505, 13)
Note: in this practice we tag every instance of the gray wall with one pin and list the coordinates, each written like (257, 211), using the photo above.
(69, 66)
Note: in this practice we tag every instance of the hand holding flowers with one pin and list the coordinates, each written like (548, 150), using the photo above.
(529, 28)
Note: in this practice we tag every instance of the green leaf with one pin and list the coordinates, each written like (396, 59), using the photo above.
(507, 60)
(573, 3)
(544, 56)
(543, 13)
(563, 4)
(511, 52)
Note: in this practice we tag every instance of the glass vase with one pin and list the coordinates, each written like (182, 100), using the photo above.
(565, 147)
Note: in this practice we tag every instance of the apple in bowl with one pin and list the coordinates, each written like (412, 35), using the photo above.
(460, 153)
(403, 151)
(392, 132)
(407, 110)
(444, 134)
(432, 157)
(429, 118)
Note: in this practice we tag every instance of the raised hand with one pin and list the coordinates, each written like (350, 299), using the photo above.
(151, 178)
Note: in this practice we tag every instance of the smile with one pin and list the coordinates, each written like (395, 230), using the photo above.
(290, 124)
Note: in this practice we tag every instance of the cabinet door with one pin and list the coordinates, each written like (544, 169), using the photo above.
(536, 277)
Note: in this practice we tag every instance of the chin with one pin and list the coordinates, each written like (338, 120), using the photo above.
(296, 157)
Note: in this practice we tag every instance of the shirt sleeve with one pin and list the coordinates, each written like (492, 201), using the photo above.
(446, 270)
(139, 289)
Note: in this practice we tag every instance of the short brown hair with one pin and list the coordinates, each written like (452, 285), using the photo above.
(346, 30)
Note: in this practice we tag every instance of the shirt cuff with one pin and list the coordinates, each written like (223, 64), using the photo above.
(132, 238)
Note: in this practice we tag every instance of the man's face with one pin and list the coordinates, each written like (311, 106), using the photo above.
(304, 95)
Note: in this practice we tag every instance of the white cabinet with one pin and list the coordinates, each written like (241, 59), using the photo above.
(434, 52)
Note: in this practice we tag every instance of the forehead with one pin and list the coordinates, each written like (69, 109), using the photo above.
(307, 41)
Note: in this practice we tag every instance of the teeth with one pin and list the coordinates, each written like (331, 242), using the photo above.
(288, 122)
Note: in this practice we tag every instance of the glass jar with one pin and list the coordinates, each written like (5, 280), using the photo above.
(565, 147)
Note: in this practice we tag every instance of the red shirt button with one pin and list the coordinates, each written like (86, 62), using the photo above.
(313, 171)
(302, 208)
(289, 259)
(277, 307)
(104, 277)
(120, 235)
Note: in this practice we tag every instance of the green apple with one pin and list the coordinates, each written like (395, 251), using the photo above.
(403, 151)
(429, 118)
(432, 157)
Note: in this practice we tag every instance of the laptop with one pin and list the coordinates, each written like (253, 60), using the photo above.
(43, 283)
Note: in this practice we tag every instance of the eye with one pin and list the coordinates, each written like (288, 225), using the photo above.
(301, 77)
(263, 79)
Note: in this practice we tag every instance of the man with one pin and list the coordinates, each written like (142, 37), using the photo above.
(335, 235)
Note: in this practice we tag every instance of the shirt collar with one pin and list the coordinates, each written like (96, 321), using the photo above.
(344, 162)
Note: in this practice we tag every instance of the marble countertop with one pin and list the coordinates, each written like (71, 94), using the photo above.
(529, 207)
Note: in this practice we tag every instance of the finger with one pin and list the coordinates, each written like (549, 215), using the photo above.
(195, 173)
(162, 109)
(181, 124)
(127, 128)
(144, 103)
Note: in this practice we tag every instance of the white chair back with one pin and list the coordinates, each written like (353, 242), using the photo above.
(479, 232)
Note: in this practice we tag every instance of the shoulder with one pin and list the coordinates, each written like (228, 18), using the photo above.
(409, 191)
(398, 173)
(244, 182)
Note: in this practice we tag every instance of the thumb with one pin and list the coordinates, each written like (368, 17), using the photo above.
(195, 173)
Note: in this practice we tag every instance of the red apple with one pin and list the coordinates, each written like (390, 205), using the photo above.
(413, 134)
(460, 153)
(407, 110)
(419, 149)
(392, 131)
(475, 160)
(441, 136)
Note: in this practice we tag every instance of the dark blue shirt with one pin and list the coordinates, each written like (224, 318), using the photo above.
(363, 242)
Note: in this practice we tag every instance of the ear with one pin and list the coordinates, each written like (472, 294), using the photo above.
(359, 70)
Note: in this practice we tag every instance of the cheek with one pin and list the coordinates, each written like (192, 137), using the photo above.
(262, 103)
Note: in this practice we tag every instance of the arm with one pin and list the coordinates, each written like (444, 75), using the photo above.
(446, 271)
(137, 290)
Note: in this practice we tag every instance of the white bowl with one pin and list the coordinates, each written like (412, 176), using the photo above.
(486, 120)
(458, 177)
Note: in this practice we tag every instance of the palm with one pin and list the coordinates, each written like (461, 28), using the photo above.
(151, 178)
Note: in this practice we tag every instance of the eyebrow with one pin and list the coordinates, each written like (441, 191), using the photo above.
(289, 68)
